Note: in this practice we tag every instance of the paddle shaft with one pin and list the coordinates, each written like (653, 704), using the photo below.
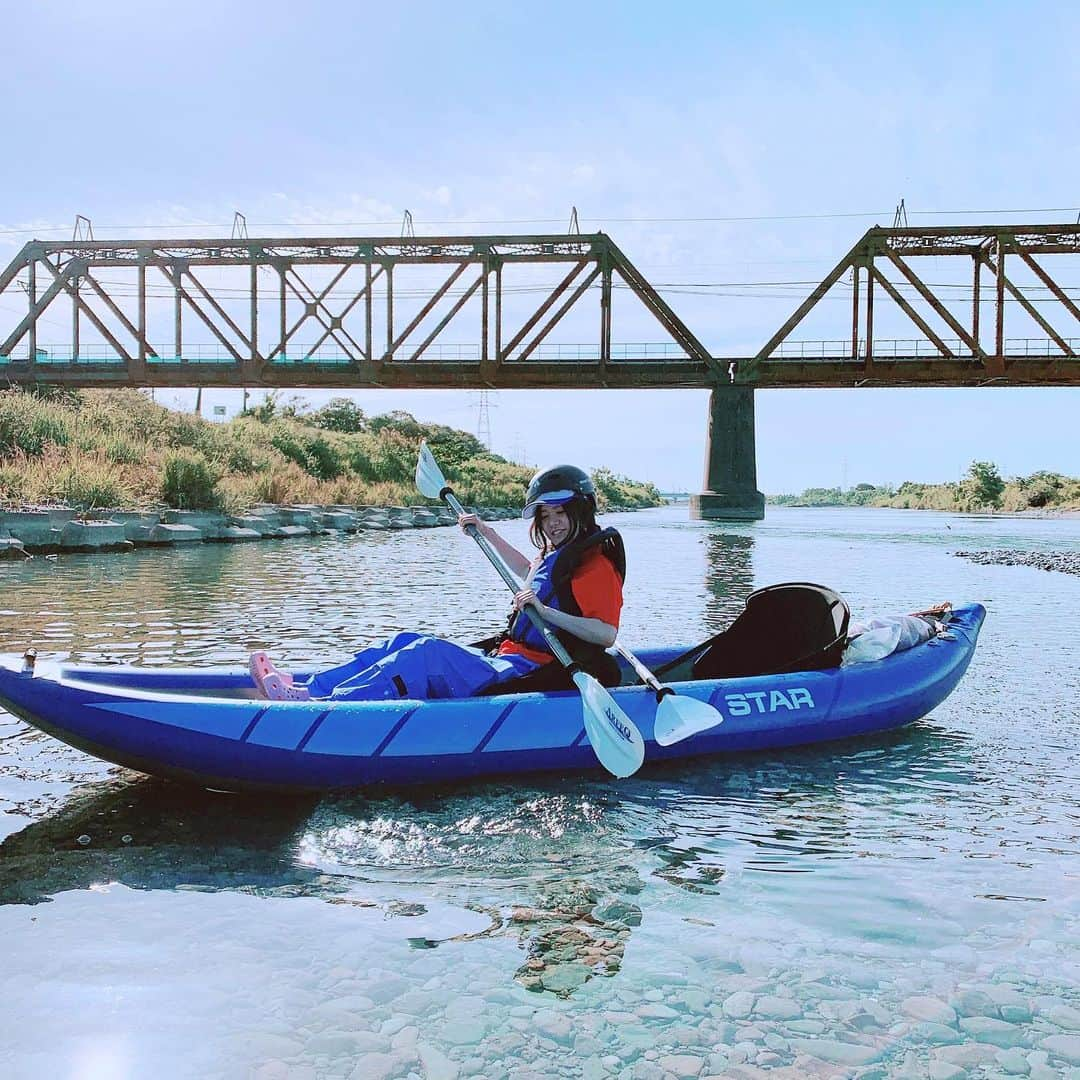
(496, 560)
(643, 673)
(646, 676)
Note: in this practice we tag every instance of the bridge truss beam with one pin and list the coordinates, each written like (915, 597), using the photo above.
(344, 291)
(949, 346)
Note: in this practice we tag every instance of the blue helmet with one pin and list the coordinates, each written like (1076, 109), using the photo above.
(556, 486)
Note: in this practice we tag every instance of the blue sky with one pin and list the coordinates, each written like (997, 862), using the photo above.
(155, 118)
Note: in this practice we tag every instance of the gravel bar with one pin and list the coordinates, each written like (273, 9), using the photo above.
(1064, 562)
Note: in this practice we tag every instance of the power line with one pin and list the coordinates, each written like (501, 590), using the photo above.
(695, 219)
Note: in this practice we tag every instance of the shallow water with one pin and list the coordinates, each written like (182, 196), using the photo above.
(904, 905)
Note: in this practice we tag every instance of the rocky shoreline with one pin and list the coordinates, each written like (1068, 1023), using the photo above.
(26, 533)
(1062, 562)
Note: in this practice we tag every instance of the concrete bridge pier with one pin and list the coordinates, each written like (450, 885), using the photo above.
(731, 492)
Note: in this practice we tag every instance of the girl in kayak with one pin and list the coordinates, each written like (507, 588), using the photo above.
(574, 582)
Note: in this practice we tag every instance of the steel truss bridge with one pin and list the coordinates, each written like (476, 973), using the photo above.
(375, 312)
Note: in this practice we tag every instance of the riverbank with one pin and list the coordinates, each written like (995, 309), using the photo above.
(983, 491)
(117, 448)
(1062, 562)
(24, 534)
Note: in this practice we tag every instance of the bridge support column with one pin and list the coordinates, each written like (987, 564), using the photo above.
(731, 492)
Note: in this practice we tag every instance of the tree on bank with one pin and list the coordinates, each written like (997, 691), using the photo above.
(981, 487)
(984, 484)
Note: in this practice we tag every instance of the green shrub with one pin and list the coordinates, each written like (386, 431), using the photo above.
(122, 452)
(339, 414)
(88, 488)
(29, 423)
(323, 460)
(189, 481)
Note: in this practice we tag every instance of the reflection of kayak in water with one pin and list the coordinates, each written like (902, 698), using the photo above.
(205, 726)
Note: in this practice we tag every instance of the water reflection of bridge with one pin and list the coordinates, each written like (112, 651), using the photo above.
(358, 312)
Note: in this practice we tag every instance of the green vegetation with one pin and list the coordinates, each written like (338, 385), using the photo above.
(982, 489)
(118, 449)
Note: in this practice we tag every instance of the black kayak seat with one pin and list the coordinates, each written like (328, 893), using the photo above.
(792, 626)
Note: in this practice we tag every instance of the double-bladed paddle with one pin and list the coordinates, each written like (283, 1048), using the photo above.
(614, 737)
(677, 717)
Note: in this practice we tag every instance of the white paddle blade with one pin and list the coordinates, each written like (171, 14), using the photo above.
(615, 738)
(430, 481)
(678, 718)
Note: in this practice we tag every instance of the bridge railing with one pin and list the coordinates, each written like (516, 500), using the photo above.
(333, 354)
(910, 349)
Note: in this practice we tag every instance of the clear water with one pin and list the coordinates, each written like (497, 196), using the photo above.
(906, 905)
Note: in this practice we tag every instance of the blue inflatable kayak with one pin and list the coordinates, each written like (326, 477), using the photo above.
(205, 726)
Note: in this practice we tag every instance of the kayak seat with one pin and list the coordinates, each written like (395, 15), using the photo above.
(792, 626)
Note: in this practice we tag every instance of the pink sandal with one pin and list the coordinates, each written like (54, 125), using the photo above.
(277, 689)
(261, 667)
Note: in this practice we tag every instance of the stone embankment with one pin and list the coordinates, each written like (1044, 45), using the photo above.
(47, 532)
(1064, 562)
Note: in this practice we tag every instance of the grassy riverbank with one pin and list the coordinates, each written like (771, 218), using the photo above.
(983, 489)
(117, 449)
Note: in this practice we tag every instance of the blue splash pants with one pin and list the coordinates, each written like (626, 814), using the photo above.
(415, 666)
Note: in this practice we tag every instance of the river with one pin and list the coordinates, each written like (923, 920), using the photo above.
(903, 905)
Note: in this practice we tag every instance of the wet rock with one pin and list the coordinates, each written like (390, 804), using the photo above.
(944, 1070)
(975, 1003)
(931, 1009)
(968, 1055)
(1014, 1062)
(463, 1032)
(739, 1005)
(338, 520)
(681, 1065)
(656, 1011)
(379, 1067)
(939, 1034)
(988, 1030)
(619, 911)
(236, 534)
(564, 979)
(777, 1008)
(806, 1027)
(92, 536)
(10, 548)
(1064, 1016)
(836, 1052)
(1065, 1047)
(592, 1068)
(436, 1065)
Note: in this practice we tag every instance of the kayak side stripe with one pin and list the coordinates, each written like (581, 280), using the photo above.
(450, 727)
(537, 725)
(355, 730)
(311, 730)
(390, 735)
(227, 723)
(495, 727)
(251, 727)
(286, 726)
